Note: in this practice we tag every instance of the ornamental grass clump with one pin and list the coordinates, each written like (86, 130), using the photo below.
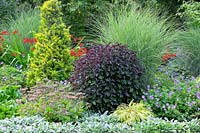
(140, 29)
(188, 49)
(133, 112)
(51, 58)
(108, 75)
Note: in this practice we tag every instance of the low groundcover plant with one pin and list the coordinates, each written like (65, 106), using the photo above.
(174, 97)
(95, 123)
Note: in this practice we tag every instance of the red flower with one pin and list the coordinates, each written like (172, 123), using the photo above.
(72, 52)
(26, 40)
(1, 48)
(15, 32)
(173, 55)
(5, 32)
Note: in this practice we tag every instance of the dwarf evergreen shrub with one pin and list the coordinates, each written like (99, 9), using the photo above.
(51, 57)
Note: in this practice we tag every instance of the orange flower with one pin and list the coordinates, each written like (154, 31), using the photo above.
(82, 51)
(173, 55)
(167, 56)
(72, 52)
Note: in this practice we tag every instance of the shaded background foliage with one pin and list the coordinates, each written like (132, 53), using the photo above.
(80, 13)
(7, 9)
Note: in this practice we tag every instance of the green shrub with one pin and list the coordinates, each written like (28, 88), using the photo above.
(191, 13)
(188, 49)
(8, 109)
(108, 75)
(11, 76)
(175, 98)
(52, 101)
(81, 13)
(133, 112)
(157, 125)
(51, 57)
(142, 30)
(9, 93)
(8, 105)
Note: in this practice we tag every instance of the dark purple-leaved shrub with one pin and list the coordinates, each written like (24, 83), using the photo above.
(108, 75)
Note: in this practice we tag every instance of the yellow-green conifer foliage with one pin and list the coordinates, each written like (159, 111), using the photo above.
(51, 57)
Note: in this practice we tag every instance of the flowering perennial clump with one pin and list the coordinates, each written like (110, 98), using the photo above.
(13, 48)
(175, 98)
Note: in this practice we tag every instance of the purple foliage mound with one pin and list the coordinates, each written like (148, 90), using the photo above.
(108, 75)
